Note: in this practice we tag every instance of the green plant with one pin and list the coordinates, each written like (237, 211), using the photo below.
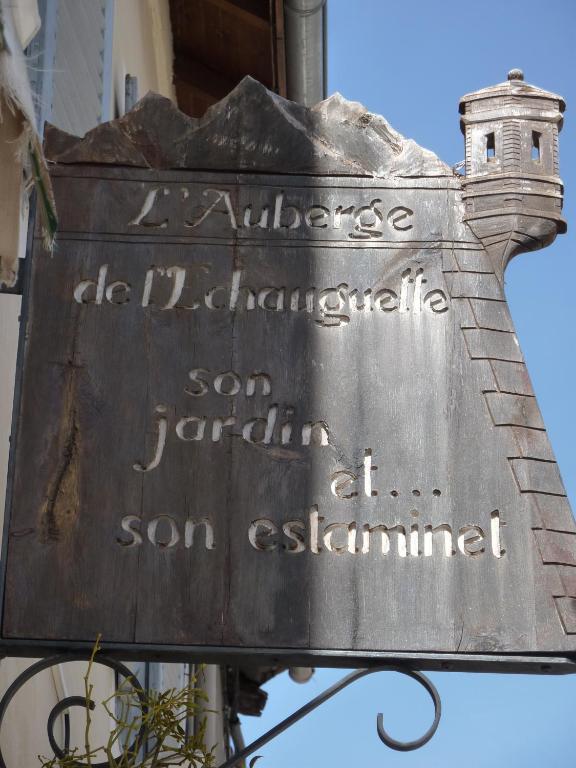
(161, 716)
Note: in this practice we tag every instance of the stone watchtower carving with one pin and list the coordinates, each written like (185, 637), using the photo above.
(512, 189)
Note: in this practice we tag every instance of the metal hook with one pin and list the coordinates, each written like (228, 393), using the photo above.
(408, 746)
(57, 709)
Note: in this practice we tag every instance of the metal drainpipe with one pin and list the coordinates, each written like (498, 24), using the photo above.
(305, 32)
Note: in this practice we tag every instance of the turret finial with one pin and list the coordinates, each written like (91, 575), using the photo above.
(515, 74)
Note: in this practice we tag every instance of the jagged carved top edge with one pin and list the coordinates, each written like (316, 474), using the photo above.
(251, 129)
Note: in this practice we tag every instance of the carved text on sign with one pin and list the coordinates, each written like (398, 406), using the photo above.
(276, 427)
(311, 534)
(189, 288)
(413, 539)
(294, 536)
(358, 221)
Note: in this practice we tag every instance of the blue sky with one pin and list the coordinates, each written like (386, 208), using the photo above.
(411, 62)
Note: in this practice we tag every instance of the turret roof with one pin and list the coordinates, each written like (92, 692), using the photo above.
(514, 86)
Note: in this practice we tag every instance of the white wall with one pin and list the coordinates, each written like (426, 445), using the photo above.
(142, 48)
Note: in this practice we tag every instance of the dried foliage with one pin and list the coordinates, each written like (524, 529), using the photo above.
(161, 715)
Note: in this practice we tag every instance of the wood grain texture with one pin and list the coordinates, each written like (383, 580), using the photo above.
(279, 413)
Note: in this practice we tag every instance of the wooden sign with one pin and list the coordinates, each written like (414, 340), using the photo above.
(272, 402)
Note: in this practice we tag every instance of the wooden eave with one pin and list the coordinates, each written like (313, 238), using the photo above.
(218, 42)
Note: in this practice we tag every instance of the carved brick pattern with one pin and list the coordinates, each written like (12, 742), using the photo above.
(512, 405)
(468, 148)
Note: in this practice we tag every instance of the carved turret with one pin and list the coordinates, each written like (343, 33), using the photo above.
(512, 191)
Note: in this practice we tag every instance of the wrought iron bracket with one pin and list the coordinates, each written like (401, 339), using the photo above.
(70, 701)
(317, 701)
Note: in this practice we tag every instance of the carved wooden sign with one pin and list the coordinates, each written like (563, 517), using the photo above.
(271, 398)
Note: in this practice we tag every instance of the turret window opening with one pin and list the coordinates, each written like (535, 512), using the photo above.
(536, 146)
(490, 147)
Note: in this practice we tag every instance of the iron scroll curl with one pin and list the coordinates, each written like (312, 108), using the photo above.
(71, 701)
